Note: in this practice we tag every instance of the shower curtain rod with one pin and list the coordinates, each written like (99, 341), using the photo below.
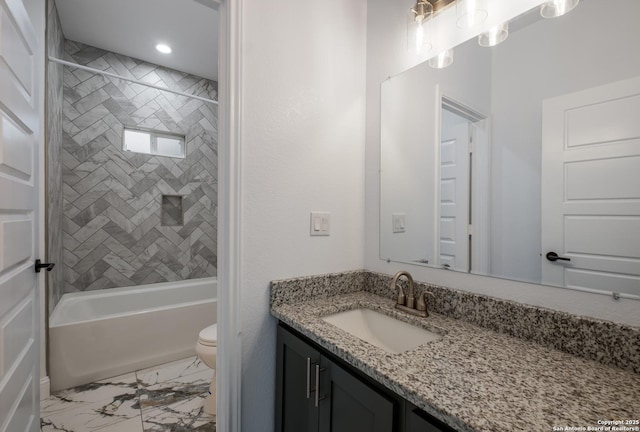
(109, 74)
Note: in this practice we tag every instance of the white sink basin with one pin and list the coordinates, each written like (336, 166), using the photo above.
(388, 333)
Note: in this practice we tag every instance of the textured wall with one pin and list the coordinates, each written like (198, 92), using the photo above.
(55, 47)
(302, 150)
(112, 231)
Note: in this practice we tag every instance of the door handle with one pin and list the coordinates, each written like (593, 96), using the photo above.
(552, 256)
(40, 265)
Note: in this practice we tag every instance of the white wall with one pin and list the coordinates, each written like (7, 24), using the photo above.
(302, 149)
(386, 56)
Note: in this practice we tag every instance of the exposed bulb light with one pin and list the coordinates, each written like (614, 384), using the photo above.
(164, 49)
(442, 60)
(417, 19)
(470, 13)
(556, 8)
(422, 11)
(419, 37)
(494, 35)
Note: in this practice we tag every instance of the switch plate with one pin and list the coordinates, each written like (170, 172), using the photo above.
(320, 224)
(399, 222)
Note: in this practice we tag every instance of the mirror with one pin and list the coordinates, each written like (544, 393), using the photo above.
(522, 160)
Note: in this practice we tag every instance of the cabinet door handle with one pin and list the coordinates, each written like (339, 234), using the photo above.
(308, 377)
(317, 384)
(318, 397)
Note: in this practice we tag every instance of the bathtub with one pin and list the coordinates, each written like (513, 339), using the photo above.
(101, 334)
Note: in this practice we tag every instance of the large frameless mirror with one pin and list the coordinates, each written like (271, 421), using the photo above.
(521, 160)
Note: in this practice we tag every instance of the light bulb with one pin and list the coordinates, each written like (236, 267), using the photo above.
(442, 60)
(417, 20)
(556, 8)
(419, 37)
(163, 48)
(471, 13)
(494, 35)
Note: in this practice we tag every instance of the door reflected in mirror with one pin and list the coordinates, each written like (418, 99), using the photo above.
(519, 150)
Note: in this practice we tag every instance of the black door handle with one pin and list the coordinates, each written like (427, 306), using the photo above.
(40, 265)
(552, 256)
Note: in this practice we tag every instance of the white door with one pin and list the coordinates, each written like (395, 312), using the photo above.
(21, 78)
(454, 193)
(591, 188)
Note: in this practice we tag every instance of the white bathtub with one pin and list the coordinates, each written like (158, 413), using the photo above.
(100, 334)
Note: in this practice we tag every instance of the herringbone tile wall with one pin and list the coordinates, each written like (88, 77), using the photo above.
(113, 235)
(55, 47)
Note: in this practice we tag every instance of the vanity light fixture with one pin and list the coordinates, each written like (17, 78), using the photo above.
(442, 60)
(470, 13)
(494, 35)
(556, 8)
(417, 19)
(163, 48)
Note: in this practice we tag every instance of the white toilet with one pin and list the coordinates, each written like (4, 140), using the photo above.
(206, 348)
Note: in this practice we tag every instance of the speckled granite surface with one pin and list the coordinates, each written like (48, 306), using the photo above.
(603, 341)
(311, 287)
(475, 379)
(606, 342)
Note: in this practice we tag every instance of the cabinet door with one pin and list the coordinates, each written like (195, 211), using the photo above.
(419, 421)
(295, 398)
(349, 405)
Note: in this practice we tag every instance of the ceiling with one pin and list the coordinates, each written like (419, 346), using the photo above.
(135, 27)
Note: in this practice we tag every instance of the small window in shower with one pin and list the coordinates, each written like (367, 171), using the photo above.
(153, 143)
(171, 211)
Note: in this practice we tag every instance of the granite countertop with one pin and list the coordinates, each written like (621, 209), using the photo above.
(476, 379)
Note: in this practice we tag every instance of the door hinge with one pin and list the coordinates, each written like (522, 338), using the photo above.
(471, 145)
(470, 230)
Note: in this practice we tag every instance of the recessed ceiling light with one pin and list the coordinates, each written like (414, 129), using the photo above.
(164, 49)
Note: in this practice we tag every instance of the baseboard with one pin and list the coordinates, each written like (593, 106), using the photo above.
(45, 388)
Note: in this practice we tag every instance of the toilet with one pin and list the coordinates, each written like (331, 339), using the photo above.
(206, 348)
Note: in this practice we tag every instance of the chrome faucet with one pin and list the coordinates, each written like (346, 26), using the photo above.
(408, 304)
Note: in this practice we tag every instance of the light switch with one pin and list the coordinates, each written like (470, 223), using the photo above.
(320, 223)
(399, 222)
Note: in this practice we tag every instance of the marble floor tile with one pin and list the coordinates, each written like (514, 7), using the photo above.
(101, 390)
(95, 416)
(170, 371)
(164, 398)
(179, 418)
(180, 396)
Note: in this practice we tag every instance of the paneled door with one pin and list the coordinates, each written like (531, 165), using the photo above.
(453, 241)
(21, 81)
(591, 189)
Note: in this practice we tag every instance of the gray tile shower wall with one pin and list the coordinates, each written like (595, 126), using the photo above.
(113, 235)
(55, 47)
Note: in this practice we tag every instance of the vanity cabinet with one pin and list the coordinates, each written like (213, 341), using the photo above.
(316, 392)
(417, 420)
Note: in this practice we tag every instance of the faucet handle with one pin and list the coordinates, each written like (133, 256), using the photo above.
(422, 303)
(402, 299)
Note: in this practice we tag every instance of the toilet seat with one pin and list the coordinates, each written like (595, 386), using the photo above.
(209, 336)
